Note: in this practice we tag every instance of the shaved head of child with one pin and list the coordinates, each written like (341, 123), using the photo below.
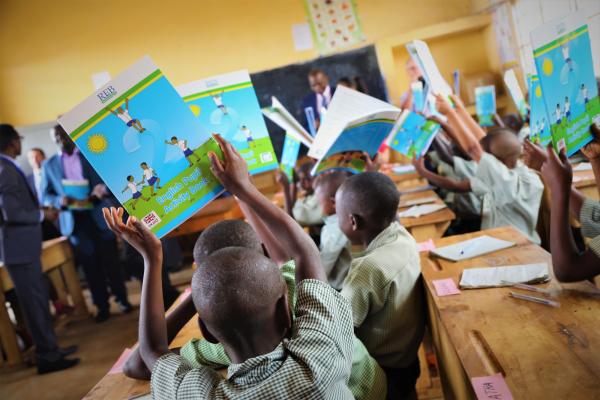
(241, 298)
(505, 146)
(326, 185)
(227, 233)
(366, 204)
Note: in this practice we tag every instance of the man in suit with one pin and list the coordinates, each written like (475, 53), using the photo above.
(20, 250)
(95, 245)
(36, 158)
(321, 94)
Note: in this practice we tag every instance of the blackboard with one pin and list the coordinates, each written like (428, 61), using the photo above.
(290, 83)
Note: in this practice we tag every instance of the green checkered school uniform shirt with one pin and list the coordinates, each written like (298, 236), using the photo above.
(367, 379)
(590, 224)
(313, 364)
(384, 290)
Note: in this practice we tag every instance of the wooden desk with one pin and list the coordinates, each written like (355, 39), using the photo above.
(431, 226)
(118, 386)
(585, 182)
(215, 211)
(58, 264)
(483, 332)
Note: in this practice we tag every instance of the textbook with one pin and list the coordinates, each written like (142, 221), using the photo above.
(147, 146)
(563, 59)
(355, 123)
(538, 119)
(78, 190)
(510, 80)
(282, 117)
(227, 104)
(413, 134)
(289, 156)
(485, 104)
(419, 51)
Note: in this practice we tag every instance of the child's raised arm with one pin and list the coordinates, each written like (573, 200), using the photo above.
(152, 332)
(569, 263)
(463, 136)
(233, 174)
(452, 185)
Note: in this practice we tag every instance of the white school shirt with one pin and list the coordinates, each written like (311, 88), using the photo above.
(565, 52)
(466, 204)
(247, 132)
(567, 107)
(148, 173)
(124, 116)
(584, 92)
(133, 187)
(558, 114)
(510, 197)
(182, 145)
(335, 252)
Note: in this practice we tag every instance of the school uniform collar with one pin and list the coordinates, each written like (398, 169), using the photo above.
(259, 368)
(330, 219)
(386, 236)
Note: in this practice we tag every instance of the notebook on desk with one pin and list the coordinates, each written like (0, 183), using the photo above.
(424, 209)
(472, 248)
(477, 278)
(414, 202)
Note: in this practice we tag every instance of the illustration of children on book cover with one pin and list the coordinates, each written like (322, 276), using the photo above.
(413, 135)
(563, 60)
(227, 104)
(147, 146)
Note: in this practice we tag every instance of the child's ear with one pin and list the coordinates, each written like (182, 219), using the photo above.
(354, 222)
(206, 333)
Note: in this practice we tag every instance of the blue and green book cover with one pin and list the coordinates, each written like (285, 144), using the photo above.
(355, 123)
(563, 59)
(227, 104)
(538, 118)
(485, 104)
(147, 146)
(413, 134)
(289, 156)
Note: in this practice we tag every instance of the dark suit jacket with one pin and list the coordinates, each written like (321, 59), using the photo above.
(20, 229)
(311, 101)
(53, 192)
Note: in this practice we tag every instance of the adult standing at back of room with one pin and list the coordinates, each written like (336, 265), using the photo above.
(321, 95)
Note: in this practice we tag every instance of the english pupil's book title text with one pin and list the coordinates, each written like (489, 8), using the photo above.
(147, 146)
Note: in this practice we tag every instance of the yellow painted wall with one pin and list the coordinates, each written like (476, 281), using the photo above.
(50, 49)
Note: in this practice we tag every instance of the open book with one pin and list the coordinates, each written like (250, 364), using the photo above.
(419, 52)
(282, 117)
(563, 58)
(227, 104)
(412, 134)
(355, 123)
(147, 146)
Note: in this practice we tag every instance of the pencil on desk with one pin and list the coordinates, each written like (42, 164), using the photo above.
(534, 299)
(526, 287)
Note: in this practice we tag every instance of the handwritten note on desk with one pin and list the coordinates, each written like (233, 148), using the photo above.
(491, 387)
(445, 287)
(118, 367)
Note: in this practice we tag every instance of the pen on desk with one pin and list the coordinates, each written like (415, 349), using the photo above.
(534, 299)
(469, 246)
(526, 287)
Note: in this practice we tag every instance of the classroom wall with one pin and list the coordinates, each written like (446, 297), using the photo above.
(50, 49)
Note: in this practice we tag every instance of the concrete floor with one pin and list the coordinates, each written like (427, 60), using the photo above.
(99, 347)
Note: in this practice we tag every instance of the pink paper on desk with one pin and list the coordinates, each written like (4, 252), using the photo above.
(445, 287)
(491, 387)
(118, 367)
(426, 246)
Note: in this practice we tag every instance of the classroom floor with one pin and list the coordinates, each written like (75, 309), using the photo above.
(99, 347)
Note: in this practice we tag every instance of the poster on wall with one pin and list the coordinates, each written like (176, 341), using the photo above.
(334, 24)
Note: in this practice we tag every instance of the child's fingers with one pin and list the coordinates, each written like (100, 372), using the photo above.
(215, 164)
(107, 218)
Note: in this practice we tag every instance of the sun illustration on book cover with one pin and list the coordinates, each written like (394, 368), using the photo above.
(195, 109)
(97, 143)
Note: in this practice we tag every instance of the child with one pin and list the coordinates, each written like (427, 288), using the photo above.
(306, 210)
(187, 152)
(150, 177)
(218, 99)
(123, 114)
(383, 285)
(510, 192)
(367, 380)
(567, 109)
(136, 195)
(247, 133)
(334, 246)
(243, 301)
